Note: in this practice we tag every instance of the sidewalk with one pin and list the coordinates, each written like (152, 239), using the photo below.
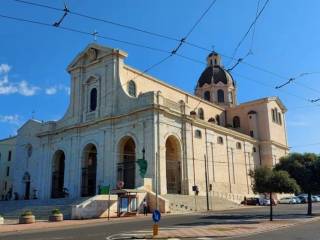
(13, 225)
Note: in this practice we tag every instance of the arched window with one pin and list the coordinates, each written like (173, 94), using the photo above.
(220, 96)
(207, 96)
(218, 119)
(236, 122)
(238, 145)
(230, 97)
(93, 99)
(198, 133)
(201, 113)
(132, 89)
(220, 140)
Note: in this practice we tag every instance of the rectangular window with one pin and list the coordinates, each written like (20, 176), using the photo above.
(5, 185)
(9, 156)
(251, 133)
(279, 118)
(8, 171)
(273, 115)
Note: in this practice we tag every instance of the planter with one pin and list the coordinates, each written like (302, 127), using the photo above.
(1, 220)
(56, 217)
(27, 219)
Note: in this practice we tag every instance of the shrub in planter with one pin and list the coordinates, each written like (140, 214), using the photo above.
(27, 217)
(56, 216)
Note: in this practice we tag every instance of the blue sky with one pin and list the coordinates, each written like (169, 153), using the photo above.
(33, 58)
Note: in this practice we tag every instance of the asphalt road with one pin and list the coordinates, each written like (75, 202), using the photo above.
(306, 231)
(104, 230)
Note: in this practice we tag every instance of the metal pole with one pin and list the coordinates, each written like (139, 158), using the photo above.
(206, 176)
(156, 183)
(109, 204)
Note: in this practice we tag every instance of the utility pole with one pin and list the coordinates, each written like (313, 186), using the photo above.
(206, 176)
(156, 162)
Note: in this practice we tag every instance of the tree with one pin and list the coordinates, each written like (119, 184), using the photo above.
(266, 180)
(305, 169)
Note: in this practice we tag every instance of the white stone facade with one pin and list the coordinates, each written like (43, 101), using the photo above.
(116, 112)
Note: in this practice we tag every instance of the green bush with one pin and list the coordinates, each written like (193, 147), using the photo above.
(56, 211)
(26, 213)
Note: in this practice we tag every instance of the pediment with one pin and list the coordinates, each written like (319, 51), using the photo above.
(93, 52)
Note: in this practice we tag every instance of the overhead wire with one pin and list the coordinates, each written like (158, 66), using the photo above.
(99, 20)
(173, 52)
(250, 52)
(155, 33)
(250, 27)
(181, 42)
(84, 33)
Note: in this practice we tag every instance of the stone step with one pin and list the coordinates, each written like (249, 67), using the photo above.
(188, 203)
(40, 208)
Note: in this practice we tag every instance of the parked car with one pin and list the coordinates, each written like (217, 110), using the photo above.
(303, 197)
(264, 201)
(297, 199)
(315, 198)
(258, 201)
(253, 201)
(287, 200)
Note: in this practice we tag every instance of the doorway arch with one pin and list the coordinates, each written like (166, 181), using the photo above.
(173, 165)
(27, 181)
(127, 162)
(89, 171)
(58, 166)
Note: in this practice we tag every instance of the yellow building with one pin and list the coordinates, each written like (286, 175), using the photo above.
(206, 141)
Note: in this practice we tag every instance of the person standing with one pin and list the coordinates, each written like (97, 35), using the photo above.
(145, 207)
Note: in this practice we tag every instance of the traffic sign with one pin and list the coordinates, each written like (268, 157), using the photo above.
(156, 216)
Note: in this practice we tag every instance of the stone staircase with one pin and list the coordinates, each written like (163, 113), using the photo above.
(40, 208)
(188, 203)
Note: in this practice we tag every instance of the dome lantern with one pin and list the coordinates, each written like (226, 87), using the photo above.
(213, 59)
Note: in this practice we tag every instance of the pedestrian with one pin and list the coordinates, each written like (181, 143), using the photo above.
(145, 207)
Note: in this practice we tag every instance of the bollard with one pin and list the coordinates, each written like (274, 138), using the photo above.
(155, 229)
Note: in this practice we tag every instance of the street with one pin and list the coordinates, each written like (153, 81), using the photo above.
(301, 232)
(120, 229)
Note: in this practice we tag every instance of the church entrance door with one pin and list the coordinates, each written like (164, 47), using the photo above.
(58, 166)
(173, 165)
(127, 164)
(89, 171)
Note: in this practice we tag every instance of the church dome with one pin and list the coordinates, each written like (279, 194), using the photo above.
(214, 72)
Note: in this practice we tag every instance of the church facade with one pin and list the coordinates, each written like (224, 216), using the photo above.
(117, 114)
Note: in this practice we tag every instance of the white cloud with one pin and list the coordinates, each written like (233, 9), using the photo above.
(26, 90)
(51, 90)
(54, 89)
(12, 119)
(4, 68)
(7, 87)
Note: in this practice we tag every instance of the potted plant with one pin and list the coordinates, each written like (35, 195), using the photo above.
(56, 216)
(1, 219)
(27, 217)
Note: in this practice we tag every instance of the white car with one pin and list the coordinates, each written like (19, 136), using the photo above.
(264, 201)
(288, 200)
